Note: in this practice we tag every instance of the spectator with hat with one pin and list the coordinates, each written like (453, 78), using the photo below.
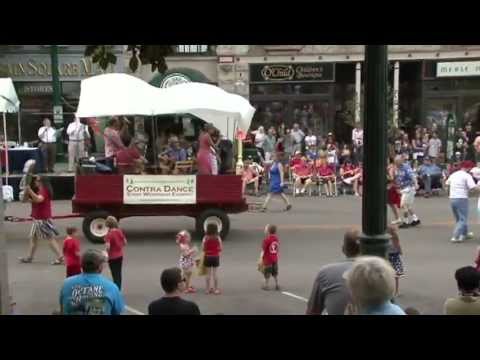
(460, 183)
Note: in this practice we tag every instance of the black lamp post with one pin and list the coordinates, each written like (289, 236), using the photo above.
(374, 240)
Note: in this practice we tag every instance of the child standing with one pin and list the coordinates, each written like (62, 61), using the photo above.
(270, 249)
(393, 194)
(187, 261)
(212, 247)
(115, 241)
(395, 255)
(71, 252)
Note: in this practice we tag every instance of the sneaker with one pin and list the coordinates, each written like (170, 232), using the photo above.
(357, 194)
(454, 240)
(404, 226)
(288, 207)
(470, 236)
(416, 222)
(396, 222)
(461, 238)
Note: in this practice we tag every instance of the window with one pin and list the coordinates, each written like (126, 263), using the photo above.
(192, 49)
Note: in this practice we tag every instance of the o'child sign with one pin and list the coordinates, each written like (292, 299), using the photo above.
(159, 189)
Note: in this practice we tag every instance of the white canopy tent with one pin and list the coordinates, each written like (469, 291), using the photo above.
(122, 94)
(9, 103)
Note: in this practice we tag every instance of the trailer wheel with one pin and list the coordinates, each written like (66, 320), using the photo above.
(94, 226)
(216, 216)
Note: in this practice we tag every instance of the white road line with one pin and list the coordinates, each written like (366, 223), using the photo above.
(295, 296)
(133, 311)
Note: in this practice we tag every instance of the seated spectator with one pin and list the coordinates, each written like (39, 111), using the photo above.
(296, 160)
(130, 160)
(173, 283)
(330, 294)
(90, 293)
(332, 156)
(345, 154)
(468, 301)
(302, 175)
(430, 174)
(250, 176)
(311, 153)
(351, 175)
(371, 281)
(171, 155)
(325, 175)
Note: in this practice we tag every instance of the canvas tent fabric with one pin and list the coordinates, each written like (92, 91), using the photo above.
(122, 94)
(9, 102)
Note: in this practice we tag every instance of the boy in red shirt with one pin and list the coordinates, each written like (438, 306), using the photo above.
(270, 249)
(71, 252)
(115, 241)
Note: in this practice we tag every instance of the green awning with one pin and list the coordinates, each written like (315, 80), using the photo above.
(178, 75)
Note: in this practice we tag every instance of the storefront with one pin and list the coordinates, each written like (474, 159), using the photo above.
(31, 73)
(318, 96)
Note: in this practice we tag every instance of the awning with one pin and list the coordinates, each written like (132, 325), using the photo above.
(9, 102)
(179, 75)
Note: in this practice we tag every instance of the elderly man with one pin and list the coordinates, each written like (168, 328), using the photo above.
(77, 134)
(406, 181)
(48, 144)
(329, 293)
(430, 174)
(90, 293)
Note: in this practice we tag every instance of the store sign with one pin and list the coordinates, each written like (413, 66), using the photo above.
(455, 69)
(159, 189)
(301, 72)
(174, 79)
(38, 67)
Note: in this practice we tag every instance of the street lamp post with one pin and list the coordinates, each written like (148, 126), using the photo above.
(374, 240)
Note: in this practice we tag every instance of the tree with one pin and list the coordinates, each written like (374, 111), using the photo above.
(155, 55)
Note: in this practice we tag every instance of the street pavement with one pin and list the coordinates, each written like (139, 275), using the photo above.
(310, 234)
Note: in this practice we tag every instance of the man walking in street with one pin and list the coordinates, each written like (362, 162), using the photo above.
(90, 293)
(77, 134)
(460, 184)
(173, 283)
(329, 293)
(48, 145)
(406, 181)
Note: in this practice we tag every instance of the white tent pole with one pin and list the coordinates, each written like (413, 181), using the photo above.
(19, 128)
(7, 171)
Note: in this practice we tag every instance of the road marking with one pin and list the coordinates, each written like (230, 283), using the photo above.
(133, 311)
(295, 296)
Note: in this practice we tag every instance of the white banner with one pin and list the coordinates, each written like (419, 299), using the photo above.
(159, 189)
(464, 68)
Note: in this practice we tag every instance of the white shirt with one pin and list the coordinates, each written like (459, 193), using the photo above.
(434, 146)
(77, 131)
(297, 135)
(47, 135)
(460, 183)
(259, 139)
(311, 140)
(357, 137)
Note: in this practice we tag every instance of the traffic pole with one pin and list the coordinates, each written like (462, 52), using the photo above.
(4, 285)
(374, 240)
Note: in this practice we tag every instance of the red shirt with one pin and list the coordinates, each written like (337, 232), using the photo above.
(324, 170)
(211, 246)
(270, 248)
(296, 161)
(127, 156)
(71, 249)
(303, 169)
(117, 241)
(43, 210)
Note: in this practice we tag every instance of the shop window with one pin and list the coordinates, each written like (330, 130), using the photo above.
(192, 49)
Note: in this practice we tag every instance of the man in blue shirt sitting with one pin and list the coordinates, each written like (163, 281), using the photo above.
(90, 293)
(430, 174)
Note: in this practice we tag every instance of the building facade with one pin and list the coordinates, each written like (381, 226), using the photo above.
(321, 86)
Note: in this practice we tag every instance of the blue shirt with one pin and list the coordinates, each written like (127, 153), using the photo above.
(431, 169)
(405, 176)
(177, 154)
(91, 294)
(385, 309)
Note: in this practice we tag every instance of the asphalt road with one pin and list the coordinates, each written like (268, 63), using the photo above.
(310, 235)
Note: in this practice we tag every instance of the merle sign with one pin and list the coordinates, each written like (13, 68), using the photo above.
(295, 72)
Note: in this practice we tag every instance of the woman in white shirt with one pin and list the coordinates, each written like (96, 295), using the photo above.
(259, 140)
(460, 184)
(310, 139)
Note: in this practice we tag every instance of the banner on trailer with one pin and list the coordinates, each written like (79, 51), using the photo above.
(159, 189)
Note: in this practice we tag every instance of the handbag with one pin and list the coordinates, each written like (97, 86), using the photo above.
(201, 269)
(260, 265)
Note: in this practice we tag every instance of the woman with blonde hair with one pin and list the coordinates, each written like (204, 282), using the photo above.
(371, 281)
(115, 241)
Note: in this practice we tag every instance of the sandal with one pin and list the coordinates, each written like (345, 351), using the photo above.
(25, 260)
(58, 261)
